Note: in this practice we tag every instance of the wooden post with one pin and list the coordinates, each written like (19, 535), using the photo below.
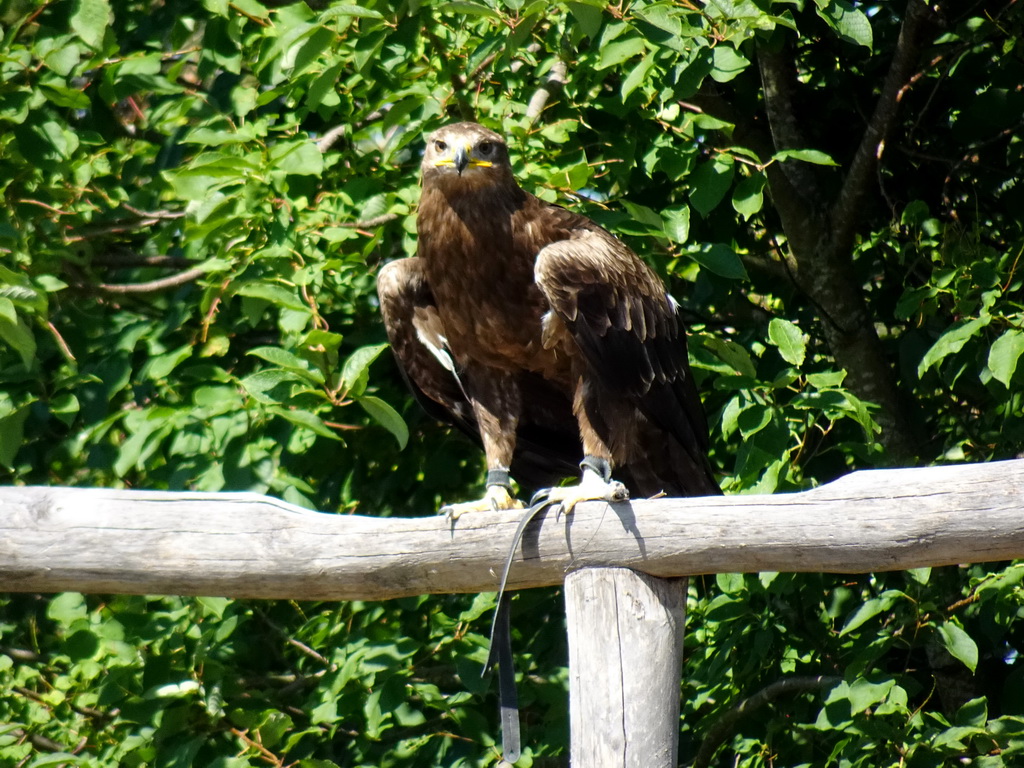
(625, 665)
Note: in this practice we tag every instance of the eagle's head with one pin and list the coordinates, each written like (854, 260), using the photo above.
(466, 155)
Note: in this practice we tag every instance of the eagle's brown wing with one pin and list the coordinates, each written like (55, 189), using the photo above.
(547, 438)
(417, 340)
(634, 348)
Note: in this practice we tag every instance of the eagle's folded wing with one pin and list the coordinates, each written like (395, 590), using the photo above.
(626, 327)
(417, 340)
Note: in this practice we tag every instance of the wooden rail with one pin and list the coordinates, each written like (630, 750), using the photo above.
(246, 545)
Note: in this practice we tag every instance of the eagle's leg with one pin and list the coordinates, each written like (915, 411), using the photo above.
(595, 418)
(595, 485)
(497, 496)
(496, 404)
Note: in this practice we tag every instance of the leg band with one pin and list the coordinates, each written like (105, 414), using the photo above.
(499, 477)
(598, 466)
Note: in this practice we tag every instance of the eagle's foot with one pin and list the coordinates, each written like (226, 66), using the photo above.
(497, 497)
(596, 485)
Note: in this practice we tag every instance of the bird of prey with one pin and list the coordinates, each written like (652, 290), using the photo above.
(543, 336)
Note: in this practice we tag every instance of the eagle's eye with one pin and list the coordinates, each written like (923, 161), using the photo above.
(485, 147)
(440, 146)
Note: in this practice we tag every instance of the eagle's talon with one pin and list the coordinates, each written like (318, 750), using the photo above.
(496, 499)
(619, 492)
(540, 497)
(591, 489)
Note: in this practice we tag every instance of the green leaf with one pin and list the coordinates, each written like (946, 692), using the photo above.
(676, 223)
(959, 644)
(753, 419)
(730, 415)
(1004, 355)
(748, 196)
(871, 608)
(7, 310)
(89, 20)
(710, 182)
(618, 51)
(67, 608)
(218, 7)
(311, 50)
(864, 694)
(212, 137)
(921, 575)
(973, 713)
(731, 353)
(662, 16)
(722, 260)
(850, 23)
(468, 8)
(184, 689)
(65, 407)
(588, 17)
(306, 420)
(350, 10)
(813, 156)
(826, 379)
(644, 214)
(58, 759)
(726, 608)
(298, 157)
(637, 76)
(354, 371)
(12, 436)
(276, 294)
(161, 366)
(731, 583)
(951, 342)
(16, 334)
(728, 63)
(387, 417)
(289, 361)
(261, 384)
(63, 60)
(792, 343)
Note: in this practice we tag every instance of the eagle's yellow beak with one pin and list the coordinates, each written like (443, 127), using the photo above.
(462, 158)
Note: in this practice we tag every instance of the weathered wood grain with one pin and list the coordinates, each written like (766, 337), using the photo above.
(245, 545)
(625, 664)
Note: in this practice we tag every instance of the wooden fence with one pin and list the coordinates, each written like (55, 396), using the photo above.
(623, 711)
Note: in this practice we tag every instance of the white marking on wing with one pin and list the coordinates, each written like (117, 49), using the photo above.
(437, 351)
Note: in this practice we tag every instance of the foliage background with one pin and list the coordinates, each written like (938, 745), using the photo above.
(197, 196)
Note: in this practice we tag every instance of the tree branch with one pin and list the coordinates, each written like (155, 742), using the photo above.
(153, 286)
(779, 84)
(329, 139)
(845, 214)
(376, 221)
(724, 727)
(821, 232)
(145, 219)
(556, 80)
(153, 214)
(129, 259)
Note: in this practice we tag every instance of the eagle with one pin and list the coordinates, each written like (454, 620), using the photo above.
(543, 336)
